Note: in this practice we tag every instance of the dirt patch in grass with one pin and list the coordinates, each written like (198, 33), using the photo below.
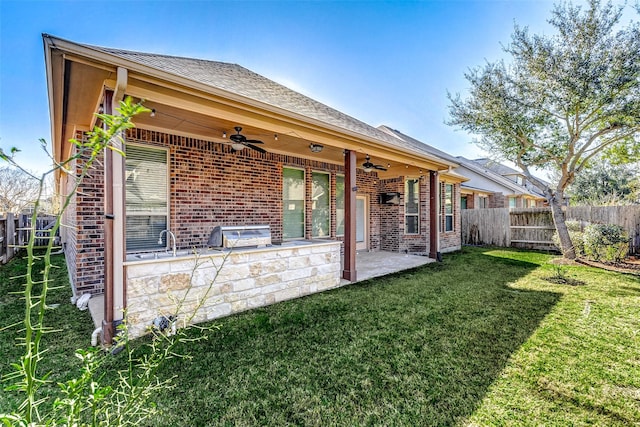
(629, 265)
(559, 280)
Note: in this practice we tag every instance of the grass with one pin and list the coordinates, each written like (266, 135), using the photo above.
(480, 339)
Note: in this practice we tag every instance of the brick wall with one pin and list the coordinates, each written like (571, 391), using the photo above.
(394, 238)
(84, 220)
(392, 216)
(497, 200)
(368, 185)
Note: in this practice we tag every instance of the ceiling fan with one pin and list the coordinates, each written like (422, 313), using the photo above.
(368, 166)
(240, 141)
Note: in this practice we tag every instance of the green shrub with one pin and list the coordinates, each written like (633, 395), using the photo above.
(576, 232)
(605, 242)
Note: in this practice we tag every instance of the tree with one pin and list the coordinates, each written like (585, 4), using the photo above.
(564, 98)
(18, 189)
(605, 183)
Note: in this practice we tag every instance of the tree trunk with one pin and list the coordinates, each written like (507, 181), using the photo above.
(566, 246)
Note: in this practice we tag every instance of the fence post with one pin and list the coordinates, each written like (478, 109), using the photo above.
(11, 236)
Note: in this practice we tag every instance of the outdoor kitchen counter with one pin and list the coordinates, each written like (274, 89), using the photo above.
(228, 281)
(203, 252)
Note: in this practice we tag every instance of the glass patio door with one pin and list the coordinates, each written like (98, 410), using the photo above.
(362, 221)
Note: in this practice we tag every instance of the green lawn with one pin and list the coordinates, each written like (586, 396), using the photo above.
(480, 339)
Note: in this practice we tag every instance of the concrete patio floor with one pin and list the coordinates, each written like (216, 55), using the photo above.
(368, 264)
(381, 263)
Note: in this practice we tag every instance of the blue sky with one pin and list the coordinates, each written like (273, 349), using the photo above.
(383, 62)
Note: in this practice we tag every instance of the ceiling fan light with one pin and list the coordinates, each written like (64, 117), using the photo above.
(367, 169)
(237, 146)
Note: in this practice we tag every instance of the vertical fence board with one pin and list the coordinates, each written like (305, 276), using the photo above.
(3, 240)
(486, 227)
(10, 236)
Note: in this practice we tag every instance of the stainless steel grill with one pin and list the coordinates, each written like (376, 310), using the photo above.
(240, 236)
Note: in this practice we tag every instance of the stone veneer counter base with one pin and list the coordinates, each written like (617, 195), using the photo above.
(227, 282)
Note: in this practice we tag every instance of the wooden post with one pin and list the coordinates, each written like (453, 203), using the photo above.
(350, 190)
(434, 207)
(11, 236)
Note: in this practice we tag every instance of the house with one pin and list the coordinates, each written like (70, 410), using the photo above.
(526, 195)
(485, 186)
(224, 147)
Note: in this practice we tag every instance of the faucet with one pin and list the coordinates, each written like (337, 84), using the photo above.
(173, 236)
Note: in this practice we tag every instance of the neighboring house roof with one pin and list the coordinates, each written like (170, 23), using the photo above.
(497, 167)
(238, 80)
(418, 144)
(505, 170)
(421, 146)
(469, 167)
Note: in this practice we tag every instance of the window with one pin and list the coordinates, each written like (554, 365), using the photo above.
(448, 207)
(512, 202)
(412, 206)
(340, 205)
(146, 193)
(463, 202)
(483, 202)
(320, 205)
(293, 203)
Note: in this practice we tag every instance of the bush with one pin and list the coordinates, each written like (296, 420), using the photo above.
(605, 242)
(576, 232)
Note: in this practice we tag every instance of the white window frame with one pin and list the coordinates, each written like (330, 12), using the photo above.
(167, 196)
(451, 199)
(406, 205)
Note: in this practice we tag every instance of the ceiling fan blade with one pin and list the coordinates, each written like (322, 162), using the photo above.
(253, 141)
(379, 167)
(258, 149)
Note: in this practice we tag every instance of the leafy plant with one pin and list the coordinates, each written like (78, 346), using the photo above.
(576, 232)
(563, 100)
(606, 242)
(86, 399)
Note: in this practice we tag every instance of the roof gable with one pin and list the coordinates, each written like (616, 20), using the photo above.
(241, 81)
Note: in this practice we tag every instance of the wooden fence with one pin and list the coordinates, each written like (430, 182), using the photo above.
(15, 231)
(533, 228)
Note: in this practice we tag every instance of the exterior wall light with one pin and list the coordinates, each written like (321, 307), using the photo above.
(315, 148)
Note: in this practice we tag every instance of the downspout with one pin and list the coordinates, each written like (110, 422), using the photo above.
(113, 251)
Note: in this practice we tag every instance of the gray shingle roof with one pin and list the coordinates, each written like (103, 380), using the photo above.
(504, 170)
(419, 145)
(238, 80)
(497, 167)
